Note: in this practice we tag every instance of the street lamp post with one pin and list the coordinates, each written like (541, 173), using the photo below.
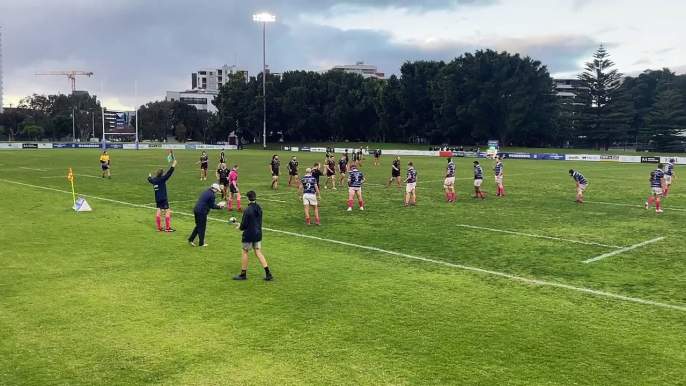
(264, 18)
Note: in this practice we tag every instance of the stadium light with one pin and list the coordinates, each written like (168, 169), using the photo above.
(264, 18)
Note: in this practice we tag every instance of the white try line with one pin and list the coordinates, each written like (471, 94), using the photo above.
(632, 205)
(622, 250)
(34, 169)
(407, 256)
(535, 236)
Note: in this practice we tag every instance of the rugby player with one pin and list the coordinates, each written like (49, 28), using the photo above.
(309, 192)
(377, 154)
(581, 185)
(449, 183)
(395, 171)
(233, 189)
(669, 176)
(343, 168)
(223, 177)
(657, 185)
(498, 169)
(204, 160)
(330, 172)
(316, 172)
(105, 164)
(293, 171)
(411, 185)
(222, 158)
(478, 180)
(159, 185)
(274, 169)
(355, 181)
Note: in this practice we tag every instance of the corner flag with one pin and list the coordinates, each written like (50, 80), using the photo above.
(170, 157)
(70, 177)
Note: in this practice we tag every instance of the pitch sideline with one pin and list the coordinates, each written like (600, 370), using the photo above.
(407, 256)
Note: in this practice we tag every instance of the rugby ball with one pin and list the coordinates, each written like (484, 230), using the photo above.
(232, 219)
(221, 204)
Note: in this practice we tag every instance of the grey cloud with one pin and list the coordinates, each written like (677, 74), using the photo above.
(578, 5)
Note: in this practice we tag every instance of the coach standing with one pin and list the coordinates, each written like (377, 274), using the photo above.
(251, 225)
(201, 210)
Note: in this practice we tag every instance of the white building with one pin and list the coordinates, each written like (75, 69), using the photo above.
(201, 99)
(212, 79)
(366, 70)
(568, 89)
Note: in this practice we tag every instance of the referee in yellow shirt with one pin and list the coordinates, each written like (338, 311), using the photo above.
(105, 164)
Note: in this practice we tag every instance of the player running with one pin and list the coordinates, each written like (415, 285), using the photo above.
(105, 164)
(581, 185)
(449, 183)
(223, 177)
(478, 180)
(498, 169)
(309, 192)
(159, 185)
(343, 168)
(669, 176)
(330, 172)
(204, 160)
(222, 158)
(274, 169)
(355, 181)
(411, 185)
(657, 185)
(233, 189)
(395, 171)
(293, 172)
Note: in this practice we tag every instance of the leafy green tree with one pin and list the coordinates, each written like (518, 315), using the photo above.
(181, 132)
(389, 110)
(417, 98)
(33, 131)
(605, 111)
(12, 119)
(666, 120)
(2, 130)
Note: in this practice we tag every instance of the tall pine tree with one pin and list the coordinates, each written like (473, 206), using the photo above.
(605, 110)
(666, 120)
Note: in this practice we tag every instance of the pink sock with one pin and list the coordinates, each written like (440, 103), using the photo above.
(652, 199)
(447, 196)
(666, 190)
(159, 222)
(238, 204)
(308, 221)
(453, 196)
(230, 205)
(657, 205)
(316, 220)
(361, 203)
(350, 203)
(483, 195)
(414, 202)
(398, 183)
(167, 221)
(502, 191)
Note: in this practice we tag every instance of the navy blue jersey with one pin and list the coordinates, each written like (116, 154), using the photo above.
(578, 177)
(450, 170)
(498, 168)
(478, 172)
(356, 177)
(656, 178)
(309, 184)
(411, 175)
(159, 185)
(669, 169)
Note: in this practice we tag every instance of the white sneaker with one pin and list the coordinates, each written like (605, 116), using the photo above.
(658, 210)
(646, 207)
(334, 188)
(350, 209)
(362, 208)
(326, 187)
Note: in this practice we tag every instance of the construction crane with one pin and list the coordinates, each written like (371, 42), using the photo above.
(70, 74)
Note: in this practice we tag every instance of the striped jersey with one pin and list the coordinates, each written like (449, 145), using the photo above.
(498, 168)
(578, 177)
(411, 175)
(356, 177)
(669, 169)
(656, 178)
(309, 184)
(478, 172)
(450, 170)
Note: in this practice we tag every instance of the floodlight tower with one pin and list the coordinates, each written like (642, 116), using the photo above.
(264, 18)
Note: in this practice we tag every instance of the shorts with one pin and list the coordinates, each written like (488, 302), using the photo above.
(105, 166)
(668, 179)
(657, 190)
(410, 187)
(164, 204)
(583, 187)
(292, 173)
(233, 189)
(449, 181)
(498, 180)
(377, 155)
(478, 183)
(395, 173)
(224, 183)
(248, 246)
(309, 199)
(203, 166)
(329, 174)
(354, 189)
(275, 174)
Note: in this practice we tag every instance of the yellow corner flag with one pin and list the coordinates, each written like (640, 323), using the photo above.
(70, 177)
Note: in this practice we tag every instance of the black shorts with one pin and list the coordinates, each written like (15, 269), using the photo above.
(395, 173)
(203, 166)
(275, 174)
(164, 204)
(233, 189)
(105, 166)
(376, 155)
(224, 183)
(329, 174)
(292, 172)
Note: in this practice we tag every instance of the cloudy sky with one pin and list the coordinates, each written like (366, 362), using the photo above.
(158, 43)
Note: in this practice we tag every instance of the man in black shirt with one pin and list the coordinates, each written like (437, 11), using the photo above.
(203, 165)
(159, 185)
(223, 177)
(330, 172)
(377, 154)
(201, 210)
(293, 172)
(343, 168)
(395, 171)
(251, 225)
(222, 158)
(274, 169)
(316, 172)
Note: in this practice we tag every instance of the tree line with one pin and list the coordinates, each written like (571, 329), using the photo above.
(469, 100)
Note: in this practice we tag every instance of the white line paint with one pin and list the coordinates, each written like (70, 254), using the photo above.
(535, 236)
(633, 205)
(622, 250)
(407, 256)
(34, 169)
(86, 175)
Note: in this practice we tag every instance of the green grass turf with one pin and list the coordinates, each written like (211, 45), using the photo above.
(102, 298)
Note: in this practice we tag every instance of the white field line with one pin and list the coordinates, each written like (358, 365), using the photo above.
(535, 236)
(633, 205)
(407, 256)
(86, 175)
(34, 169)
(622, 250)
